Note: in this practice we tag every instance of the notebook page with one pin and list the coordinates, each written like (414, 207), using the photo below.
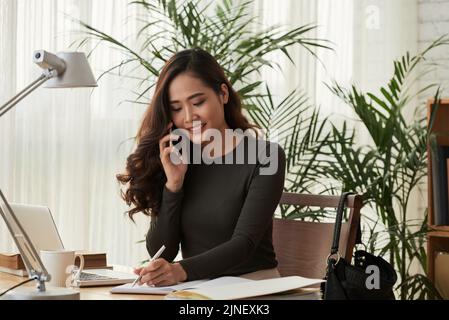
(221, 281)
(145, 289)
(254, 288)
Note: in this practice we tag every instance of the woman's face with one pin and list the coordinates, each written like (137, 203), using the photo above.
(196, 107)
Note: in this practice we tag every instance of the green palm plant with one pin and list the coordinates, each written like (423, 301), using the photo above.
(175, 25)
(227, 35)
(390, 168)
(298, 128)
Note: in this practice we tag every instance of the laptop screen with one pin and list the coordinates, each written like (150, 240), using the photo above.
(39, 226)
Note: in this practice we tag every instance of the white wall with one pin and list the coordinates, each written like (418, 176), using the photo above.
(433, 22)
(433, 18)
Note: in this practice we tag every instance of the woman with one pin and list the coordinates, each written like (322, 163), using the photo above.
(220, 214)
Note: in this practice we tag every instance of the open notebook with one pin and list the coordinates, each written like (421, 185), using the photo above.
(223, 288)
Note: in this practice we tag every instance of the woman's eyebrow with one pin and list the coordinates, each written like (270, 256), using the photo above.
(197, 94)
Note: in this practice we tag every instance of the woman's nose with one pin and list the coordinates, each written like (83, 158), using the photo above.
(189, 116)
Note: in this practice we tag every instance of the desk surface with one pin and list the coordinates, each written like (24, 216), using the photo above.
(104, 293)
(88, 293)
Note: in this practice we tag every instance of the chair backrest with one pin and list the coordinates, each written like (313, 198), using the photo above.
(302, 247)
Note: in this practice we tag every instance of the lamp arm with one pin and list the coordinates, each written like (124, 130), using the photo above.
(28, 253)
(46, 75)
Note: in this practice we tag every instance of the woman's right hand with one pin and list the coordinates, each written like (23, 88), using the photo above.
(175, 172)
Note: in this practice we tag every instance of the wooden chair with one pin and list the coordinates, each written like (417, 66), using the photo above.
(302, 247)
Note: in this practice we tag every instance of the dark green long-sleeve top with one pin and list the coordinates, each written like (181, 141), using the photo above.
(223, 216)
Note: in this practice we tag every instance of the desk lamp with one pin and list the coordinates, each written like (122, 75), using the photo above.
(63, 70)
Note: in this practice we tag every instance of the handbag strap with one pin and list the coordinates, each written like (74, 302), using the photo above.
(338, 221)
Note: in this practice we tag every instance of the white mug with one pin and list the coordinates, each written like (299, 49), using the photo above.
(60, 266)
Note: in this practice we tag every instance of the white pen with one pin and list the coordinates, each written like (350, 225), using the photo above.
(156, 255)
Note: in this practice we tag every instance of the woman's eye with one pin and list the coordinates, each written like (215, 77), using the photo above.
(175, 109)
(199, 103)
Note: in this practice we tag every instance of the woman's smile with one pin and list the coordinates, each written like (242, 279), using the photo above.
(197, 127)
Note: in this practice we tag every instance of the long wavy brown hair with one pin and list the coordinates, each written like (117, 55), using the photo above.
(144, 176)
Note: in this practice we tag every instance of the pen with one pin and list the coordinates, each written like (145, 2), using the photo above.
(156, 255)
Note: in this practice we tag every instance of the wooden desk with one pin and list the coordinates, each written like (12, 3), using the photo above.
(103, 293)
(88, 293)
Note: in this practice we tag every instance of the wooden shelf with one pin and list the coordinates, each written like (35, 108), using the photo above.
(439, 228)
(438, 236)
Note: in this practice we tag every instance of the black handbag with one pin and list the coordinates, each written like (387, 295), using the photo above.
(370, 278)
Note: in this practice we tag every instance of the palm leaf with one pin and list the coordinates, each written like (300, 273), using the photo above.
(396, 163)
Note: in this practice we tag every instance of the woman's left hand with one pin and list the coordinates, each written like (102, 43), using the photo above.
(160, 272)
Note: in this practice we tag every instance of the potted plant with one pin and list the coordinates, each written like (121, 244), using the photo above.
(388, 170)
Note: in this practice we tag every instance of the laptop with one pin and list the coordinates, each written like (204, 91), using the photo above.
(41, 229)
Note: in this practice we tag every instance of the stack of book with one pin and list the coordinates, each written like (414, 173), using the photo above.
(12, 262)
(92, 260)
(442, 273)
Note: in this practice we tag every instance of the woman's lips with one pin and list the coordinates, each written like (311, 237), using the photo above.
(197, 129)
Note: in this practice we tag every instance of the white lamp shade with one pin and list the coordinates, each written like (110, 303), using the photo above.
(77, 73)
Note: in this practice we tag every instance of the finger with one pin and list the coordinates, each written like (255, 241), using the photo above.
(137, 270)
(170, 152)
(149, 277)
(162, 280)
(163, 143)
(156, 264)
(141, 272)
(165, 283)
(167, 138)
(164, 276)
(165, 154)
(152, 274)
